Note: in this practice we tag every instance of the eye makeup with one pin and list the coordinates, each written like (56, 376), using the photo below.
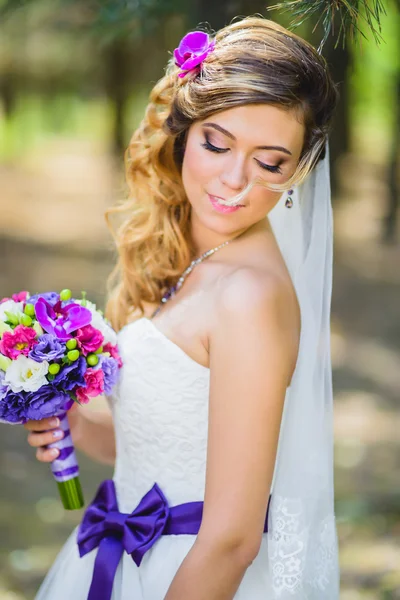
(211, 148)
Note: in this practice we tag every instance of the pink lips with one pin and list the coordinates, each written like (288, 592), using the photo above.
(222, 208)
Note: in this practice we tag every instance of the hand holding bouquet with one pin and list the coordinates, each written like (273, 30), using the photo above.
(54, 351)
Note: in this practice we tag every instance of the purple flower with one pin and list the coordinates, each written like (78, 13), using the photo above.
(48, 348)
(110, 369)
(3, 386)
(51, 297)
(192, 50)
(12, 408)
(21, 406)
(71, 376)
(61, 319)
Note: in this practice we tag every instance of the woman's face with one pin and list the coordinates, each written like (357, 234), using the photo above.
(228, 150)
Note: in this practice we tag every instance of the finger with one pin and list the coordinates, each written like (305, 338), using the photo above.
(42, 439)
(47, 454)
(42, 425)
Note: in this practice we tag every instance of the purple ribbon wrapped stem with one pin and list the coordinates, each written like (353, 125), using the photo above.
(65, 468)
(113, 532)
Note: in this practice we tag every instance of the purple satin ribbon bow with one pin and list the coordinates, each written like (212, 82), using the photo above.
(103, 526)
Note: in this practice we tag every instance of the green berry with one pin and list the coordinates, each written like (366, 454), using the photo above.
(72, 344)
(5, 362)
(73, 355)
(54, 369)
(26, 320)
(92, 360)
(99, 350)
(65, 294)
(29, 310)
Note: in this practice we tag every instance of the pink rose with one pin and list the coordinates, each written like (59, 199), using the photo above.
(89, 339)
(20, 341)
(113, 350)
(19, 297)
(94, 385)
(82, 395)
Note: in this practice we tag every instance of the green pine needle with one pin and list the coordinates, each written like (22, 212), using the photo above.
(349, 12)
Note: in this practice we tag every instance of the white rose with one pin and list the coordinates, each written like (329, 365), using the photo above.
(25, 374)
(110, 337)
(98, 322)
(15, 308)
(87, 304)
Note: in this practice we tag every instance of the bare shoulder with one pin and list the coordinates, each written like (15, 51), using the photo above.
(249, 288)
(254, 295)
(254, 307)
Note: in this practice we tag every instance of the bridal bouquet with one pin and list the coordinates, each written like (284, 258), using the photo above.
(54, 351)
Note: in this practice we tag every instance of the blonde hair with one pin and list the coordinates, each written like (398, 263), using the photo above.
(254, 61)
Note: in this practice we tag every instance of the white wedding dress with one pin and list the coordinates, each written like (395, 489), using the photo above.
(160, 410)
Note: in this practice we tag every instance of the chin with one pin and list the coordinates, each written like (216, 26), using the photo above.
(219, 223)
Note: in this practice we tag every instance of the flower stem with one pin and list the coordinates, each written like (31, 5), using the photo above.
(65, 468)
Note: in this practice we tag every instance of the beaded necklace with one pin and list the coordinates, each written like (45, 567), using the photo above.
(173, 289)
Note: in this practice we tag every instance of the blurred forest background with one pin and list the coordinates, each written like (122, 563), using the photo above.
(74, 80)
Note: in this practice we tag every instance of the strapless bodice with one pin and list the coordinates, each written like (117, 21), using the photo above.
(160, 410)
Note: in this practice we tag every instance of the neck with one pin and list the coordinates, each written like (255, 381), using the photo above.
(204, 239)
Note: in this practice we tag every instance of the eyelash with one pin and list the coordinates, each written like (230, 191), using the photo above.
(208, 146)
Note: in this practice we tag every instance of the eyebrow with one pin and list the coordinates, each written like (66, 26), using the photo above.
(230, 135)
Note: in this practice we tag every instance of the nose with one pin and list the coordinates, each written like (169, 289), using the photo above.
(234, 175)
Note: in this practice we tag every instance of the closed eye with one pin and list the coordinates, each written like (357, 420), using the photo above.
(208, 146)
(271, 168)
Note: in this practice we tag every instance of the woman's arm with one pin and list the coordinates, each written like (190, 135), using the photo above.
(253, 348)
(91, 431)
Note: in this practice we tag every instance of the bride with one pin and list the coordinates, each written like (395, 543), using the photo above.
(221, 426)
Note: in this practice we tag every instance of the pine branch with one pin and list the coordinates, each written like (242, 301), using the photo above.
(349, 13)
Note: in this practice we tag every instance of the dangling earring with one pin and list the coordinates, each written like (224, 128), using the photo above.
(289, 200)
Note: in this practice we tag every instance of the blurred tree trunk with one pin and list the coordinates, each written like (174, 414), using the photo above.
(8, 94)
(213, 12)
(220, 13)
(117, 88)
(390, 221)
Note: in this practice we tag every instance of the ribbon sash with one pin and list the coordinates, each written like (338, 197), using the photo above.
(113, 532)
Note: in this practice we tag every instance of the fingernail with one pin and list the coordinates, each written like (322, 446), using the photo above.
(58, 433)
(54, 422)
(54, 452)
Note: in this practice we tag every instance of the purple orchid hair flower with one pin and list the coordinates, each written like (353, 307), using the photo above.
(193, 48)
(61, 319)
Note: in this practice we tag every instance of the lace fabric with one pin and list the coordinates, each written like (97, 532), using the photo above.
(161, 418)
(291, 541)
